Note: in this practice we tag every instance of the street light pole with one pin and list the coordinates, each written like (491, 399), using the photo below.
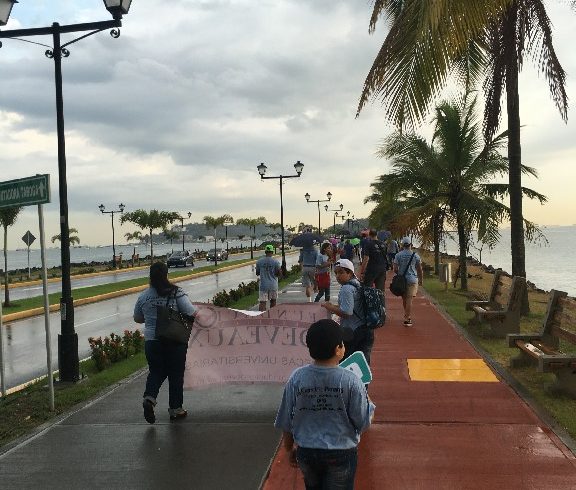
(68, 362)
(111, 213)
(318, 201)
(336, 211)
(227, 222)
(298, 166)
(182, 222)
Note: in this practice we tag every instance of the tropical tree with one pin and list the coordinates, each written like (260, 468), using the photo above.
(213, 222)
(8, 217)
(171, 235)
(137, 235)
(451, 179)
(150, 220)
(485, 40)
(252, 223)
(74, 239)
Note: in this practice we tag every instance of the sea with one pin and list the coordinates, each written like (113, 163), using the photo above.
(550, 264)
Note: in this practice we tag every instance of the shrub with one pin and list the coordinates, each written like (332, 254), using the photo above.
(115, 348)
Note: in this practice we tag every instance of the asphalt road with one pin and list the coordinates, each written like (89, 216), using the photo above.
(25, 340)
(33, 290)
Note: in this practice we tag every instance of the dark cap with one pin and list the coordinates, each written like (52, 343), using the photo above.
(324, 336)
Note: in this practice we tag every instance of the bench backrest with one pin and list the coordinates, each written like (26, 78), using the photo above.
(515, 294)
(496, 289)
(558, 307)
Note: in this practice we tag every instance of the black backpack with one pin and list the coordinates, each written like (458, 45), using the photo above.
(374, 306)
(399, 284)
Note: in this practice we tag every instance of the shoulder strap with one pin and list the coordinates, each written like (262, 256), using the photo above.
(360, 286)
(409, 262)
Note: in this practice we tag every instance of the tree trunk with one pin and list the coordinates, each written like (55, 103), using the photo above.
(462, 245)
(6, 290)
(515, 154)
(436, 237)
(151, 248)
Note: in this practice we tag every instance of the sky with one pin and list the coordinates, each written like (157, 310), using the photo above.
(177, 113)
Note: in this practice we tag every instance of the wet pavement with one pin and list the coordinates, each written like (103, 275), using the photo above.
(471, 433)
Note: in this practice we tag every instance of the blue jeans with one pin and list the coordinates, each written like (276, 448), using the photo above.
(166, 360)
(328, 469)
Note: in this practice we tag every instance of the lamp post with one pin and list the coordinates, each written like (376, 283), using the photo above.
(68, 363)
(182, 223)
(227, 222)
(318, 201)
(298, 166)
(336, 211)
(111, 213)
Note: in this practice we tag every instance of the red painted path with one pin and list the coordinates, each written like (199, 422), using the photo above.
(444, 435)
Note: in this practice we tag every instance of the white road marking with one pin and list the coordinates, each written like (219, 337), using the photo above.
(98, 319)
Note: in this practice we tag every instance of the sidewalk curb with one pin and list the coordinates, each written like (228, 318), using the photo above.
(522, 392)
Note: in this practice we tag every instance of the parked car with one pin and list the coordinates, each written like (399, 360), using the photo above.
(181, 258)
(221, 254)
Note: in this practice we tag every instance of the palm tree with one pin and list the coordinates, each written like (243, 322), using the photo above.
(212, 222)
(150, 220)
(451, 178)
(137, 235)
(74, 239)
(171, 235)
(429, 40)
(252, 223)
(8, 217)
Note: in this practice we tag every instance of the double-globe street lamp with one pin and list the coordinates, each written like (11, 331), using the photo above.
(182, 223)
(228, 220)
(336, 211)
(318, 201)
(298, 166)
(68, 362)
(111, 213)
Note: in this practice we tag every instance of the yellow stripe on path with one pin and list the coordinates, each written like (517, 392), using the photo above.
(463, 370)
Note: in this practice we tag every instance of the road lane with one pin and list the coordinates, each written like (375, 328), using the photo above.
(34, 290)
(25, 341)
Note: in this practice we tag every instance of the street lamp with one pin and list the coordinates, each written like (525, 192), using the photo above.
(111, 213)
(336, 211)
(227, 222)
(182, 222)
(298, 166)
(318, 201)
(68, 363)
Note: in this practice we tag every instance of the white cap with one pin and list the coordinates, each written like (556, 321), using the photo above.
(406, 241)
(345, 264)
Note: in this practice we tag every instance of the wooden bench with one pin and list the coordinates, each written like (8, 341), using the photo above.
(502, 309)
(544, 347)
(135, 259)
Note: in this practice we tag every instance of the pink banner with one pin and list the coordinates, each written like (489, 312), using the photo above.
(231, 346)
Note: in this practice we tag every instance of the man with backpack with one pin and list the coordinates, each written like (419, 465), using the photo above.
(374, 263)
(408, 263)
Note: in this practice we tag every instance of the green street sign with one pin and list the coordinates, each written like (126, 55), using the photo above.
(356, 363)
(25, 192)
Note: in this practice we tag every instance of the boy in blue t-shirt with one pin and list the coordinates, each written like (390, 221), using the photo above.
(324, 410)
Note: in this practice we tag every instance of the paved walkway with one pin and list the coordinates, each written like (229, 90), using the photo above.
(427, 434)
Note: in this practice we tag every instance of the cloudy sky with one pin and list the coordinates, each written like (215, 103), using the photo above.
(177, 113)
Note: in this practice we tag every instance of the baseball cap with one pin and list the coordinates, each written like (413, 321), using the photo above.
(345, 264)
(269, 248)
(406, 241)
(323, 336)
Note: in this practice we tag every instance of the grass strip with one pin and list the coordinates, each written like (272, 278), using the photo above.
(23, 412)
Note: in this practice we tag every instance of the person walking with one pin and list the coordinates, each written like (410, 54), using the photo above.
(307, 260)
(324, 410)
(374, 264)
(268, 269)
(350, 309)
(391, 251)
(166, 358)
(323, 264)
(414, 275)
(348, 251)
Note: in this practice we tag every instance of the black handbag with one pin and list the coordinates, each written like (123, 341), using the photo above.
(171, 324)
(399, 285)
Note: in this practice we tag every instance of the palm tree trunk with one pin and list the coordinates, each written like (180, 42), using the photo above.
(463, 245)
(6, 290)
(436, 238)
(515, 155)
(151, 248)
